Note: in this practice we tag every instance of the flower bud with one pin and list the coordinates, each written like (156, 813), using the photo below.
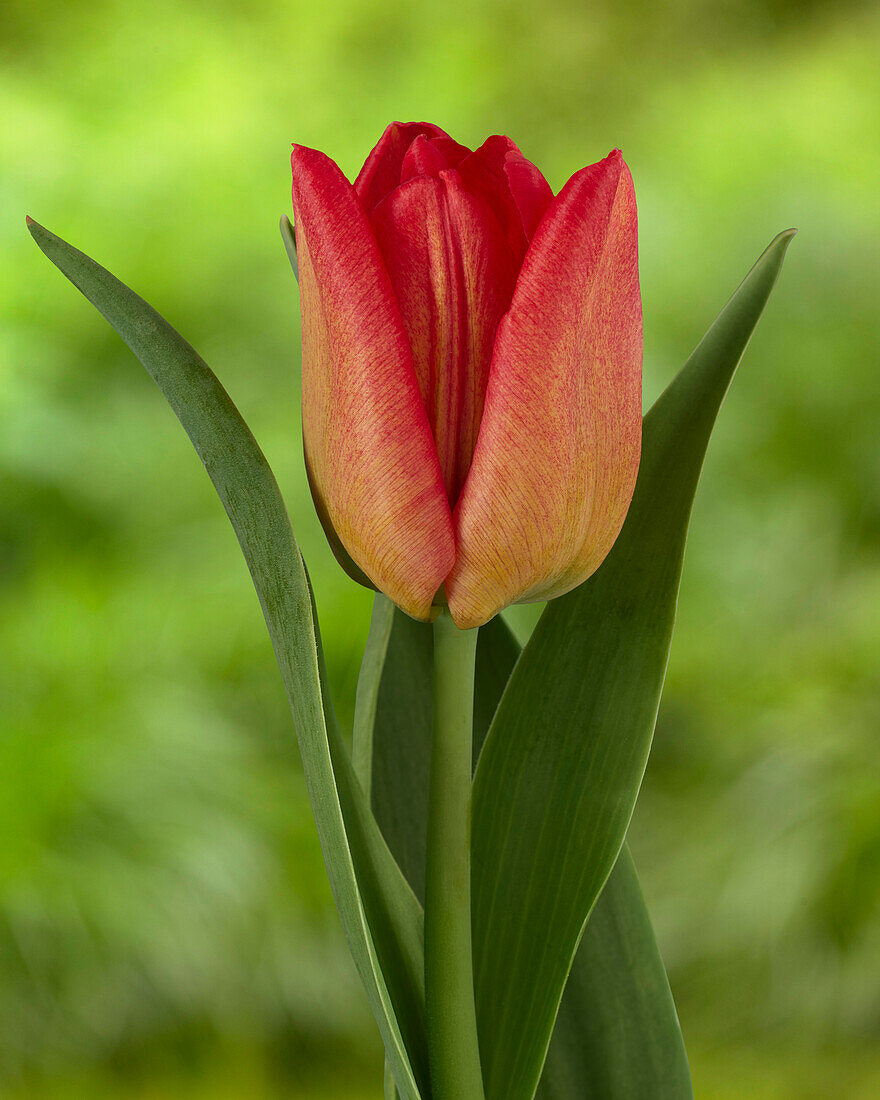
(471, 367)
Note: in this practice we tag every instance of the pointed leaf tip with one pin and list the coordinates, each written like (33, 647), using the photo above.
(781, 241)
(288, 235)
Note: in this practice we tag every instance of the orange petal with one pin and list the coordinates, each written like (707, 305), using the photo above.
(372, 461)
(558, 451)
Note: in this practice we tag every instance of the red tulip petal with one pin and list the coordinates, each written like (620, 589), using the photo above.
(557, 455)
(453, 276)
(381, 170)
(371, 458)
(513, 186)
(424, 158)
(451, 149)
(483, 173)
(531, 192)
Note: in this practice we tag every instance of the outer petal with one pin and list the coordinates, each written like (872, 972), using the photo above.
(372, 462)
(381, 170)
(453, 276)
(558, 450)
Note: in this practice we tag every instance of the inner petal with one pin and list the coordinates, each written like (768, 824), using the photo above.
(453, 274)
(513, 186)
(381, 171)
(424, 158)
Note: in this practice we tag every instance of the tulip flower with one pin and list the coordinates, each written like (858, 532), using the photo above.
(471, 368)
(471, 419)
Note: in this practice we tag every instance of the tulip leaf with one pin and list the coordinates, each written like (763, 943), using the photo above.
(561, 766)
(617, 1034)
(380, 915)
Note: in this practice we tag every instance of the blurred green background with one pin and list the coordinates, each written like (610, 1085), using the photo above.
(166, 928)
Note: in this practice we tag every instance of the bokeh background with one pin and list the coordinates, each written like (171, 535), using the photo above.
(166, 928)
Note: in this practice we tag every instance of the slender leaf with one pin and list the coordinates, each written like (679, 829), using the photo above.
(561, 767)
(380, 915)
(395, 915)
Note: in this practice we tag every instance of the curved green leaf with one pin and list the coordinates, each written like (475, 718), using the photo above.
(617, 1034)
(380, 915)
(561, 767)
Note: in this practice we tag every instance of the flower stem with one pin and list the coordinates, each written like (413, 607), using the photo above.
(449, 976)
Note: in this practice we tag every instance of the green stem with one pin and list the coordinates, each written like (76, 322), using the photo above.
(449, 973)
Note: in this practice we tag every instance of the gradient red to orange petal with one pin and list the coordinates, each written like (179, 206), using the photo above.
(558, 450)
(453, 276)
(371, 457)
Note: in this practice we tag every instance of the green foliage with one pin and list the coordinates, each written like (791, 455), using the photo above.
(617, 1034)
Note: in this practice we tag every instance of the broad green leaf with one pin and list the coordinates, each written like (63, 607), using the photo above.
(380, 915)
(560, 769)
(617, 1034)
